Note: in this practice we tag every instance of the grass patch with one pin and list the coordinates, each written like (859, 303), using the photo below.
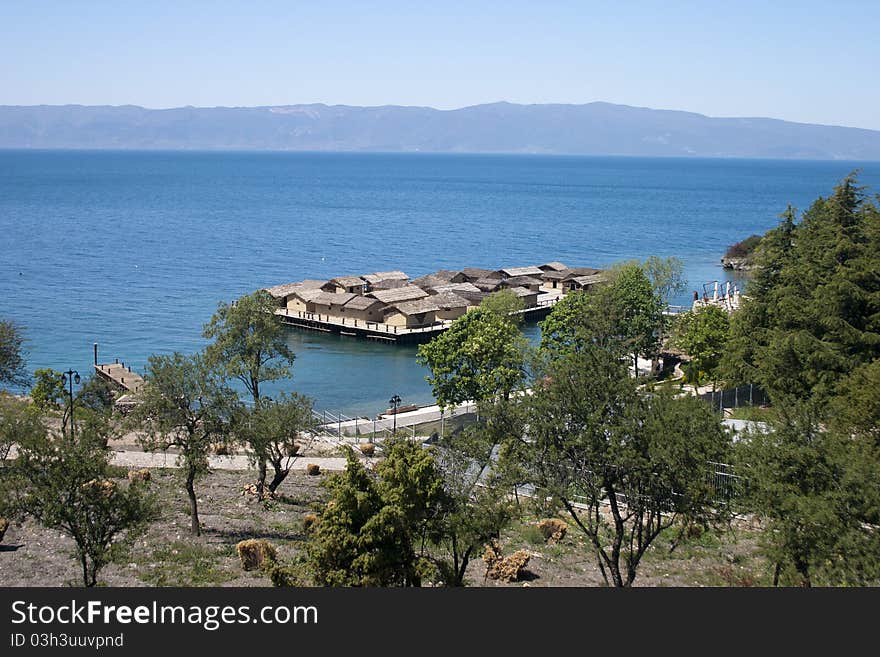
(184, 563)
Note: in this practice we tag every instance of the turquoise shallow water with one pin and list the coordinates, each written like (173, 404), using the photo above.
(134, 249)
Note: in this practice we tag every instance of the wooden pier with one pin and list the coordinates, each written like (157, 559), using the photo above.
(119, 375)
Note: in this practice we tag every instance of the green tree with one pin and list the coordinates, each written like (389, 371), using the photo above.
(184, 404)
(504, 303)
(856, 409)
(474, 511)
(273, 431)
(19, 423)
(666, 276)
(702, 334)
(359, 540)
(48, 390)
(812, 313)
(250, 343)
(13, 370)
(481, 356)
(817, 494)
(65, 484)
(366, 533)
(624, 315)
(595, 442)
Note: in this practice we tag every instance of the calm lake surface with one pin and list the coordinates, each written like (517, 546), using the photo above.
(133, 250)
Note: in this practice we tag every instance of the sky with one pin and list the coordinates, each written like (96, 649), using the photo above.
(813, 62)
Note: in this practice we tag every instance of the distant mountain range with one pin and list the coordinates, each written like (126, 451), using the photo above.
(591, 129)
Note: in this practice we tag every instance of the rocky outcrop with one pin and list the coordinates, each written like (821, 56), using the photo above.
(738, 264)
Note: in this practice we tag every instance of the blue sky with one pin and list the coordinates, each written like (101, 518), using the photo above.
(802, 61)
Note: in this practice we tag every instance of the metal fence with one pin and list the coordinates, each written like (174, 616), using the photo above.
(750, 395)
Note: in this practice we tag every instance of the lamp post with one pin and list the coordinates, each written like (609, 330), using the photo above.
(70, 377)
(395, 404)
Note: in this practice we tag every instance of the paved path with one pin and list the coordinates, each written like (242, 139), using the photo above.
(135, 459)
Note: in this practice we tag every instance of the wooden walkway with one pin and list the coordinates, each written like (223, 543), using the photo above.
(120, 375)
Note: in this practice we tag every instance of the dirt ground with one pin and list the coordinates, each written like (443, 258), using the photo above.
(167, 555)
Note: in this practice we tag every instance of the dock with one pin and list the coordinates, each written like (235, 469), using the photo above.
(118, 374)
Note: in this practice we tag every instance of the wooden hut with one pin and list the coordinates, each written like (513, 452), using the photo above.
(417, 313)
(349, 284)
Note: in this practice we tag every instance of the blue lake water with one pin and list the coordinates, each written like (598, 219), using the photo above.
(133, 250)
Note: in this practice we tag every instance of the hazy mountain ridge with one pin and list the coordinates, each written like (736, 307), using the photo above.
(592, 129)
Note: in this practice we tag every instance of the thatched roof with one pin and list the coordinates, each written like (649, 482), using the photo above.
(415, 307)
(407, 293)
(552, 266)
(286, 289)
(389, 284)
(455, 287)
(475, 273)
(521, 271)
(377, 276)
(330, 298)
(348, 281)
(361, 303)
(589, 280)
(449, 300)
(584, 271)
(488, 284)
(441, 277)
(520, 281)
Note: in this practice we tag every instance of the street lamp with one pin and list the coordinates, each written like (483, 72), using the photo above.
(69, 378)
(395, 404)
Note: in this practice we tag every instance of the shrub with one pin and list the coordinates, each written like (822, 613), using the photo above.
(293, 450)
(142, 475)
(255, 552)
(504, 569)
(309, 522)
(553, 529)
(4, 525)
(313, 469)
(367, 449)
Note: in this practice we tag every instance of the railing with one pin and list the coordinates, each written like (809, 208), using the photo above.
(342, 426)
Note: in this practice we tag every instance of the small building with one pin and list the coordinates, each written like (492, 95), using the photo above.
(552, 279)
(513, 272)
(283, 294)
(384, 279)
(467, 291)
(574, 282)
(488, 284)
(450, 305)
(300, 299)
(553, 266)
(349, 284)
(365, 309)
(406, 293)
(412, 314)
(329, 303)
(527, 282)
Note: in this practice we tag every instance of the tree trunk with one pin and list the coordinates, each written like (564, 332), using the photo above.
(776, 572)
(261, 479)
(465, 560)
(636, 364)
(193, 502)
(280, 475)
(87, 581)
